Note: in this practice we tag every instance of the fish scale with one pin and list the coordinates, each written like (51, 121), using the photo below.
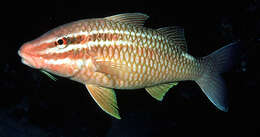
(126, 54)
(117, 52)
(129, 54)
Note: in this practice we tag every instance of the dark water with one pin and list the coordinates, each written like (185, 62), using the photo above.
(32, 105)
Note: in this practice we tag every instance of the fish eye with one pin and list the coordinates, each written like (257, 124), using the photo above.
(60, 41)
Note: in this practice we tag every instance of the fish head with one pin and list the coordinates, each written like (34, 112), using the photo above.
(53, 52)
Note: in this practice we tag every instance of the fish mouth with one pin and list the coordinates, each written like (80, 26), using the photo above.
(27, 60)
(26, 63)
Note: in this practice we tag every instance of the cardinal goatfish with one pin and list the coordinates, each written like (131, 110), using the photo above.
(117, 52)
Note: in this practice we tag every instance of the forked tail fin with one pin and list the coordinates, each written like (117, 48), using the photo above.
(211, 82)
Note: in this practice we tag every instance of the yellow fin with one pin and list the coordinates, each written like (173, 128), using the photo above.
(113, 69)
(159, 91)
(130, 18)
(176, 34)
(105, 98)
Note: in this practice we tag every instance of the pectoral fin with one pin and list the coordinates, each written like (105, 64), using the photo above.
(159, 91)
(112, 68)
(105, 98)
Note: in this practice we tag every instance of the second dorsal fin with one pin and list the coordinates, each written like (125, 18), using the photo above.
(130, 18)
(176, 34)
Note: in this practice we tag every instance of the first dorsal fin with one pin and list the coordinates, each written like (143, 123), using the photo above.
(130, 18)
(176, 34)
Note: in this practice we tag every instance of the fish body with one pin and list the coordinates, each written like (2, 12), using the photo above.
(117, 52)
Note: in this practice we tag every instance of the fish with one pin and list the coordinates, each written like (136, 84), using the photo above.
(118, 52)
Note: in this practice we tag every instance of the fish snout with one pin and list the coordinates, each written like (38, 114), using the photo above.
(27, 54)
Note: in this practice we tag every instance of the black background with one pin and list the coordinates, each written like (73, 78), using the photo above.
(31, 104)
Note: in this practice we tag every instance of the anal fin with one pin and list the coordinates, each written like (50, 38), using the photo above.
(159, 91)
(105, 98)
